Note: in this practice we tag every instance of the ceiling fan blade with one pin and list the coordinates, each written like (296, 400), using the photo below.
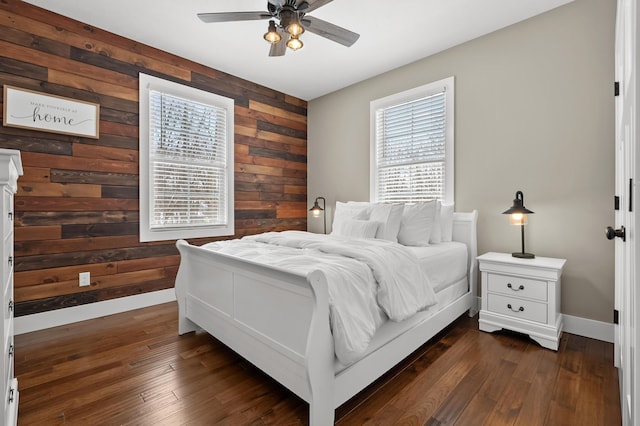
(308, 6)
(233, 16)
(330, 31)
(279, 48)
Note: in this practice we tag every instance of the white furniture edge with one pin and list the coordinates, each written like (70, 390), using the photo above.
(44, 320)
(10, 170)
(584, 327)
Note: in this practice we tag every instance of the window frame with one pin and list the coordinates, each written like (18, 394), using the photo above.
(147, 84)
(445, 85)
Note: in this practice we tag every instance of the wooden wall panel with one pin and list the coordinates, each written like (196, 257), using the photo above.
(77, 203)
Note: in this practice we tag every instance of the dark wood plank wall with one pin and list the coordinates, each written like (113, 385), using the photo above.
(77, 203)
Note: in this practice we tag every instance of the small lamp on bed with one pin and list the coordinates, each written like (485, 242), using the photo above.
(316, 210)
(518, 216)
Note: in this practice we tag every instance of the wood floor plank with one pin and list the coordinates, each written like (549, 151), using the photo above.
(134, 369)
(534, 410)
(379, 399)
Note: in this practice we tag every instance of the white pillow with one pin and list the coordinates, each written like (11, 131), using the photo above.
(443, 225)
(347, 211)
(436, 231)
(446, 221)
(355, 228)
(417, 222)
(392, 226)
(390, 217)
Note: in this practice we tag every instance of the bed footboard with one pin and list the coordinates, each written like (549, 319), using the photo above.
(275, 319)
(279, 321)
(465, 231)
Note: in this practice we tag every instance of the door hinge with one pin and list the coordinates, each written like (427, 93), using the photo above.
(630, 195)
(616, 316)
(616, 88)
(616, 203)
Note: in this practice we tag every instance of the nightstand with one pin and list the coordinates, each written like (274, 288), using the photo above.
(522, 295)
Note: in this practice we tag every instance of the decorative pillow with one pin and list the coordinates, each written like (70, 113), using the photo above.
(446, 221)
(347, 211)
(355, 228)
(389, 216)
(417, 223)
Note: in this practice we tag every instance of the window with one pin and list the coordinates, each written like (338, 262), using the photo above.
(186, 162)
(412, 145)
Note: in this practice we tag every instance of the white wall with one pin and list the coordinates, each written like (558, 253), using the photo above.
(534, 112)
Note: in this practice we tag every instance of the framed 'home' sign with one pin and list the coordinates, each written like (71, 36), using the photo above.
(38, 111)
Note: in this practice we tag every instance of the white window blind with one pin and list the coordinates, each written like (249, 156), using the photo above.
(186, 162)
(412, 146)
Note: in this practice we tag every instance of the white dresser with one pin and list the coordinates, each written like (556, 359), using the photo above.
(522, 295)
(10, 169)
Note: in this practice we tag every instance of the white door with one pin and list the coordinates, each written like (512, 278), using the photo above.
(626, 298)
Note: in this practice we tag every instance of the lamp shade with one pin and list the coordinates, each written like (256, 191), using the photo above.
(316, 209)
(294, 43)
(272, 35)
(518, 206)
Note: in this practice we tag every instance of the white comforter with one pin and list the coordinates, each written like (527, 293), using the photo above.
(367, 279)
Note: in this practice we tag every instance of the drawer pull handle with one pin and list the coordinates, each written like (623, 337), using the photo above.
(11, 395)
(10, 215)
(10, 305)
(11, 349)
(10, 260)
(521, 309)
(520, 287)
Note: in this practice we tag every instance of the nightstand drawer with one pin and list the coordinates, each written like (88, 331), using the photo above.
(516, 286)
(517, 308)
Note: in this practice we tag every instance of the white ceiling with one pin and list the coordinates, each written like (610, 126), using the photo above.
(392, 34)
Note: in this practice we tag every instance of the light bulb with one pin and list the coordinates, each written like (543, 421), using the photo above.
(272, 35)
(294, 43)
(295, 29)
(518, 219)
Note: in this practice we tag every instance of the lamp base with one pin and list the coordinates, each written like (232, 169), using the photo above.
(523, 255)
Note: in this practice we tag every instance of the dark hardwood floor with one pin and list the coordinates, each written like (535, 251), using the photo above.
(134, 369)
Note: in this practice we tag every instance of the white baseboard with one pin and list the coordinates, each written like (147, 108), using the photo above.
(43, 320)
(593, 329)
(575, 325)
(584, 327)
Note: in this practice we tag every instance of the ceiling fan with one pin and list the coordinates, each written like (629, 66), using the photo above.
(288, 19)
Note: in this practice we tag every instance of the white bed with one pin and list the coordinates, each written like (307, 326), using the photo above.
(279, 320)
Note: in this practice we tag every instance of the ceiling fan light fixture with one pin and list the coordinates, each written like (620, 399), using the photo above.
(288, 20)
(295, 28)
(294, 43)
(272, 35)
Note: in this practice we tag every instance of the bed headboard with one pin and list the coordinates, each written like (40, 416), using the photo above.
(464, 231)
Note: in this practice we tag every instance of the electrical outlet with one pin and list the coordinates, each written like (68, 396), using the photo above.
(85, 279)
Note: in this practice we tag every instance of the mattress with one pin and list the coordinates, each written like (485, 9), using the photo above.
(444, 263)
